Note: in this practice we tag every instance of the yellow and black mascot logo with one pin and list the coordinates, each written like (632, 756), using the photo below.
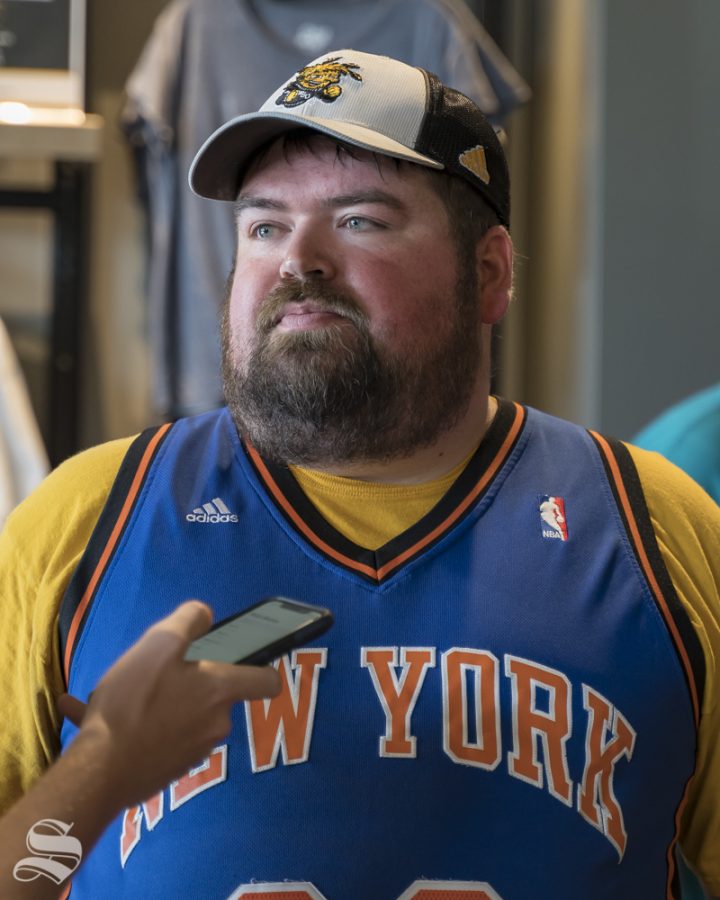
(321, 81)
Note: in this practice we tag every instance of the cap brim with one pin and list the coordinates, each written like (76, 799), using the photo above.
(217, 169)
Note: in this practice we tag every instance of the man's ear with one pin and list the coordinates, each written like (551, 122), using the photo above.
(494, 259)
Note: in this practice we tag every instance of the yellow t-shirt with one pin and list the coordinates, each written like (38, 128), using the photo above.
(44, 539)
(368, 513)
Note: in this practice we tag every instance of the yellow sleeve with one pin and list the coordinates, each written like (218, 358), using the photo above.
(687, 525)
(40, 546)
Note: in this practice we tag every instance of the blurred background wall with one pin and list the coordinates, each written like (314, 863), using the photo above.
(615, 199)
(661, 196)
(615, 157)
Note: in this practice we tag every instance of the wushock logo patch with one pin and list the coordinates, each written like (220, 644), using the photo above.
(321, 81)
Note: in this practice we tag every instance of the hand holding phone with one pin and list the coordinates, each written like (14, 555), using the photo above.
(262, 632)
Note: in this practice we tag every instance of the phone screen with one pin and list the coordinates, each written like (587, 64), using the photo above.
(251, 631)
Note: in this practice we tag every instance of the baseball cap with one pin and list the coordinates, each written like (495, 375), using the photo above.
(373, 102)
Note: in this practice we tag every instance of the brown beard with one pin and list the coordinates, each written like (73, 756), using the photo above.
(332, 395)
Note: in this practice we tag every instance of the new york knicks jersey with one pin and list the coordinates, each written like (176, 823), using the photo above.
(506, 706)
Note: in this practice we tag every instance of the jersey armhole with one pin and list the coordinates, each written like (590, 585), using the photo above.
(625, 483)
(78, 599)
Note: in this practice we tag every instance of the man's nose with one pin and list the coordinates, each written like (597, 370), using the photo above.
(307, 255)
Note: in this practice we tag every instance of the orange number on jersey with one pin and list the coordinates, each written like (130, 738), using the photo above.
(286, 891)
(418, 890)
(449, 890)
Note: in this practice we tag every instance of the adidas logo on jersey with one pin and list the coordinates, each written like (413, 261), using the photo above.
(211, 513)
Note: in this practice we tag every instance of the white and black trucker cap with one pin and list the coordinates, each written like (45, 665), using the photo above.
(373, 102)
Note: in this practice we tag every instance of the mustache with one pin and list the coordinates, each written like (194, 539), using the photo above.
(326, 299)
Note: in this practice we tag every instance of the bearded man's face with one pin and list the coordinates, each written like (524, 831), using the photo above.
(350, 329)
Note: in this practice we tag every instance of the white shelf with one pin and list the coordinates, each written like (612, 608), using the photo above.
(49, 133)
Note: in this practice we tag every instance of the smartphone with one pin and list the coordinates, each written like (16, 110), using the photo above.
(261, 633)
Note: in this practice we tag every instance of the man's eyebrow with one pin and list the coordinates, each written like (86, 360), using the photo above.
(369, 196)
(249, 201)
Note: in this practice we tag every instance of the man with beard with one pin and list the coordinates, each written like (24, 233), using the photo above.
(503, 708)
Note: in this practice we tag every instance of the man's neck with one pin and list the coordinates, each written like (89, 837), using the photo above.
(430, 462)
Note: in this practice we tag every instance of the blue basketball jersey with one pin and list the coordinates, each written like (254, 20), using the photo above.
(506, 706)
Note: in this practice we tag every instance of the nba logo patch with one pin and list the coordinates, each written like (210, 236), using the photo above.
(552, 517)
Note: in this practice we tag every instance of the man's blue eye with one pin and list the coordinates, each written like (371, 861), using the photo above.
(263, 231)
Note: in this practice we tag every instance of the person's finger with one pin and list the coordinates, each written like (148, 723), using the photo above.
(71, 708)
(245, 682)
(188, 621)
(253, 682)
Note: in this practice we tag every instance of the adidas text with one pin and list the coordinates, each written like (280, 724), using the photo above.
(214, 518)
(212, 513)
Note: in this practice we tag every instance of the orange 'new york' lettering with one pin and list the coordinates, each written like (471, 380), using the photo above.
(131, 831)
(530, 723)
(212, 770)
(286, 721)
(152, 811)
(482, 666)
(397, 695)
(596, 798)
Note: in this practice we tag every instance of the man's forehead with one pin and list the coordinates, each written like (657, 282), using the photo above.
(331, 157)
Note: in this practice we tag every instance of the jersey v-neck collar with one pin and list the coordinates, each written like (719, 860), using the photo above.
(378, 565)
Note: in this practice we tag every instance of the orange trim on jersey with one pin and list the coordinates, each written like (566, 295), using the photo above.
(489, 474)
(383, 571)
(110, 546)
(648, 571)
(300, 523)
